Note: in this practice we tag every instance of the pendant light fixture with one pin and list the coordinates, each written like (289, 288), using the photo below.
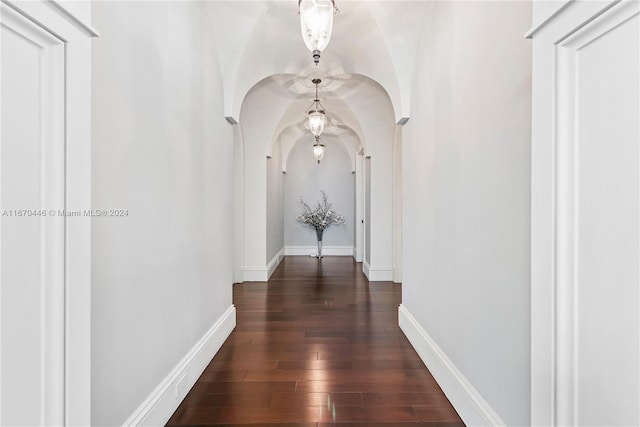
(317, 117)
(316, 23)
(318, 150)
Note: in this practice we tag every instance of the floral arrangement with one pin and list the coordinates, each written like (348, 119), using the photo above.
(321, 217)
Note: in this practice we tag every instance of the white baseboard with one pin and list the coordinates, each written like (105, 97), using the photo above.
(255, 274)
(377, 273)
(262, 274)
(357, 255)
(397, 275)
(274, 263)
(326, 250)
(365, 268)
(158, 407)
(471, 406)
(380, 274)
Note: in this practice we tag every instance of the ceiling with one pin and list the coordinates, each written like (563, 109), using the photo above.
(367, 65)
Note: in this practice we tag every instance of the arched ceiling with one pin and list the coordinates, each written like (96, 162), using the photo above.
(278, 106)
(333, 93)
(366, 71)
(260, 39)
(346, 142)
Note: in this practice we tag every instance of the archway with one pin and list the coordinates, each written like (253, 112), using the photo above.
(360, 122)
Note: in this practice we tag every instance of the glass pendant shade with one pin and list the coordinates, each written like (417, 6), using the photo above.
(317, 120)
(316, 23)
(318, 150)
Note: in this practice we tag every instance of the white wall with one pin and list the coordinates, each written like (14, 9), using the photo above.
(238, 205)
(261, 111)
(358, 253)
(306, 178)
(367, 210)
(275, 219)
(161, 276)
(466, 219)
(397, 205)
(378, 133)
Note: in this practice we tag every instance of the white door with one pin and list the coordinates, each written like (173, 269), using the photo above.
(586, 216)
(32, 183)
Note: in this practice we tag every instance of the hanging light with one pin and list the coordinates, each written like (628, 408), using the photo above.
(316, 23)
(317, 121)
(317, 118)
(318, 150)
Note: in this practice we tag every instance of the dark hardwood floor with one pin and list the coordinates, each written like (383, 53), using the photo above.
(318, 345)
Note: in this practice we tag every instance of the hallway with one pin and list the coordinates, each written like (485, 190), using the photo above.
(318, 344)
(160, 167)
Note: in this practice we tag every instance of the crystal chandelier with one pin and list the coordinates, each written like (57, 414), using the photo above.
(318, 150)
(316, 23)
(317, 118)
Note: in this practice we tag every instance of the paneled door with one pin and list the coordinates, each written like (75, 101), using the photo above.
(31, 226)
(44, 173)
(586, 216)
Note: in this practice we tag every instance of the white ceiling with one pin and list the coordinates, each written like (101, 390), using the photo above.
(369, 62)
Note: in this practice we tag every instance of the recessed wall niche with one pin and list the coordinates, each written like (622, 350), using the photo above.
(305, 177)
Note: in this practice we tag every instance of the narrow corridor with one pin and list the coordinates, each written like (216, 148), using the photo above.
(318, 345)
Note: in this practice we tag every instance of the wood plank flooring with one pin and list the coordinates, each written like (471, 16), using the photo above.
(318, 345)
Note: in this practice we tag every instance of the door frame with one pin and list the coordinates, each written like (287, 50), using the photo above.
(75, 33)
(554, 328)
(358, 249)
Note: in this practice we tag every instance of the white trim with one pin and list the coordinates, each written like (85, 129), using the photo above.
(533, 30)
(600, 7)
(80, 23)
(396, 214)
(555, 392)
(33, 10)
(55, 19)
(260, 273)
(255, 274)
(275, 262)
(158, 407)
(397, 274)
(464, 397)
(78, 230)
(377, 273)
(313, 250)
(365, 267)
(359, 225)
(238, 205)
(50, 161)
